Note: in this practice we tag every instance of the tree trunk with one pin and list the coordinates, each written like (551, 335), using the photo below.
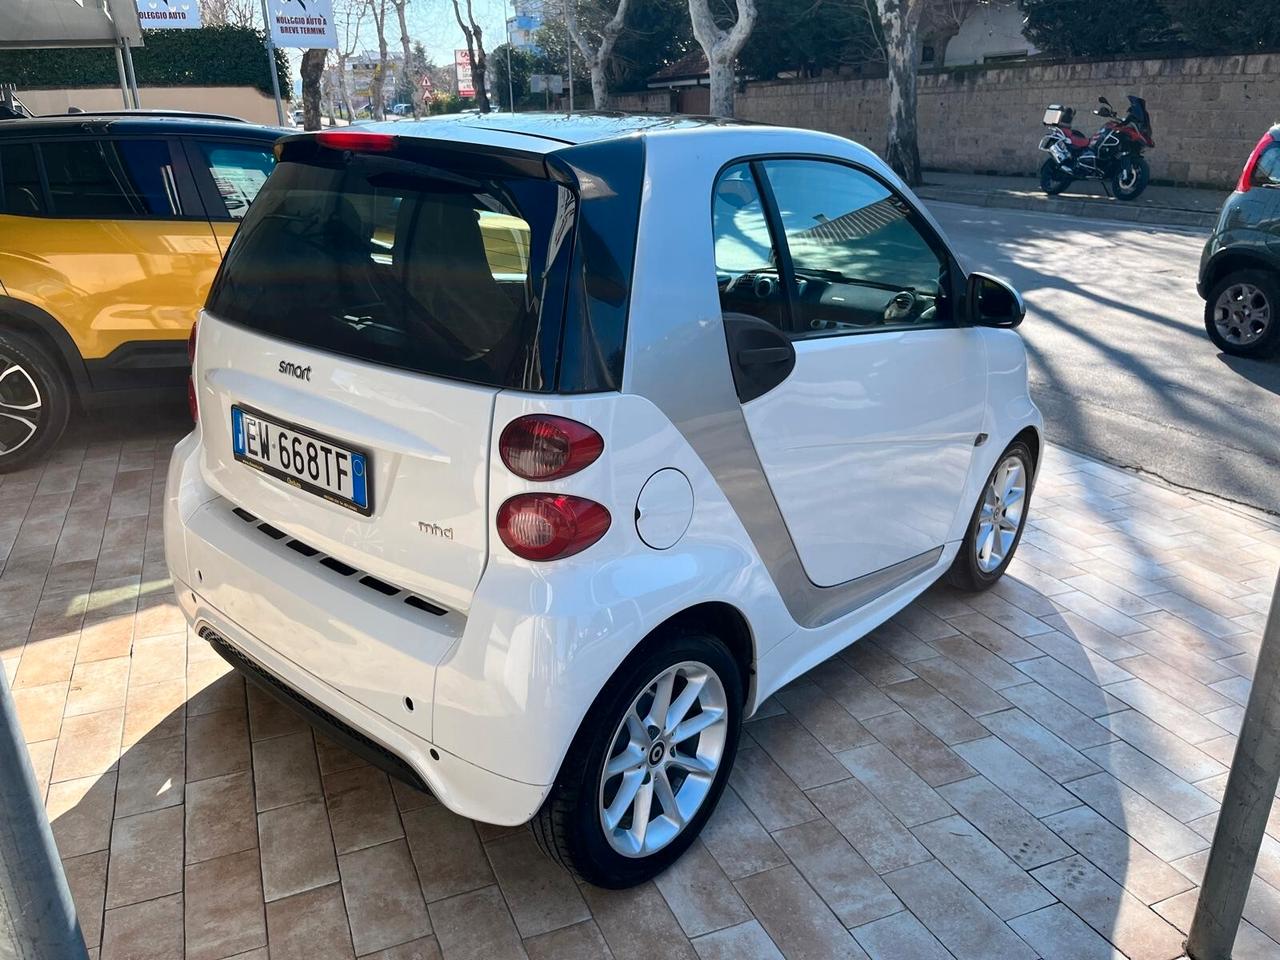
(344, 95)
(410, 66)
(478, 65)
(312, 71)
(722, 81)
(901, 22)
(599, 84)
(378, 105)
(721, 48)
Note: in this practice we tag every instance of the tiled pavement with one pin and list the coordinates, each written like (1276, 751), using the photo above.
(1034, 772)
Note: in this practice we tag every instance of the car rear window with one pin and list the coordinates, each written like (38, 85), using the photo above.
(414, 267)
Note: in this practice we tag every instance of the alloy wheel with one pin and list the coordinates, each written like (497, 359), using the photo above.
(21, 407)
(1001, 515)
(1242, 314)
(663, 759)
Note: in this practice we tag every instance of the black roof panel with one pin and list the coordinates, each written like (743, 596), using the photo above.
(566, 128)
(156, 123)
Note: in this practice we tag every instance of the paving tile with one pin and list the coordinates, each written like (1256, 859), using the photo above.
(1067, 650)
(1165, 710)
(737, 841)
(581, 941)
(158, 658)
(87, 881)
(310, 926)
(224, 909)
(446, 852)
(40, 710)
(1176, 683)
(1251, 943)
(931, 759)
(1083, 694)
(155, 711)
(1119, 916)
(285, 771)
(1058, 934)
(900, 937)
(831, 724)
(637, 924)
(1137, 816)
(900, 643)
(998, 639)
(425, 948)
(41, 757)
(47, 661)
(1050, 753)
(80, 813)
(297, 849)
(1171, 751)
(1016, 776)
(268, 717)
(800, 756)
(840, 876)
(954, 915)
(362, 810)
(1118, 855)
(146, 857)
(333, 757)
(699, 894)
(996, 672)
(875, 663)
(220, 817)
(746, 941)
(895, 785)
(476, 926)
(870, 828)
(1158, 784)
(1007, 824)
(795, 917)
(770, 794)
(217, 744)
(922, 623)
(151, 776)
(1212, 623)
(1058, 716)
(850, 689)
(541, 895)
(961, 687)
(144, 931)
(384, 903)
(88, 746)
(935, 712)
(981, 866)
(212, 685)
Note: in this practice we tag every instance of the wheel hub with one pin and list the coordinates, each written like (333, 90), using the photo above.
(1000, 516)
(21, 406)
(1242, 314)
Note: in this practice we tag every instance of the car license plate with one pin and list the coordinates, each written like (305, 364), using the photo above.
(301, 458)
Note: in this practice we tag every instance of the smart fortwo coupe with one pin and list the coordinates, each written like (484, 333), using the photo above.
(534, 452)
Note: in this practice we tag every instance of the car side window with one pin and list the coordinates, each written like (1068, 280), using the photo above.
(104, 179)
(860, 262)
(239, 170)
(23, 195)
(746, 261)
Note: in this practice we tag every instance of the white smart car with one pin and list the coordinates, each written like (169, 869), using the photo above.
(533, 453)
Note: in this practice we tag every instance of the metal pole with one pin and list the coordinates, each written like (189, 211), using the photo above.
(124, 81)
(1251, 788)
(128, 69)
(271, 63)
(37, 914)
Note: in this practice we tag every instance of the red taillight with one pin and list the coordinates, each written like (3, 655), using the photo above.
(1246, 175)
(357, 140)
(543, 447)
(550, 526)
(191, 343)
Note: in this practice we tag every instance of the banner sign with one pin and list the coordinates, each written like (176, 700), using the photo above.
(303, 23)
(169, 14)
(462, 64)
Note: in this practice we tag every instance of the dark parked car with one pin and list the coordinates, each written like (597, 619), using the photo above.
(1240, 266)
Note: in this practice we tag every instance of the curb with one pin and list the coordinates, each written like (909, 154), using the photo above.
(1070, 206)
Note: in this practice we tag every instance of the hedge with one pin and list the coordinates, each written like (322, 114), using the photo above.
(209, 56)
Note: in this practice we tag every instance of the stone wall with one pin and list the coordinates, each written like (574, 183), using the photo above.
(1208, 111)
(247, 103)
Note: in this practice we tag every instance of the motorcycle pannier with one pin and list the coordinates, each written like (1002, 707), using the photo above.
(1057, 113)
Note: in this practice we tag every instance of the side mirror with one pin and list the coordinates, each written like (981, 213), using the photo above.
(990, 302)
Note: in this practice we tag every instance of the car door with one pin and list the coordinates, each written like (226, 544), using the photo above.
(118, 250)
(866, 440)
(229, 174)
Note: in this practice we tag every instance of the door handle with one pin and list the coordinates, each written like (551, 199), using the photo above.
(751, 356)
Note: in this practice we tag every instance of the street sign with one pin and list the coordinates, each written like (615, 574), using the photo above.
(546, 83)
(462, 64)
(302, 23)
(169, 14)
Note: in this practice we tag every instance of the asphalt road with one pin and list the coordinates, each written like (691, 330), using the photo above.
(1119, 360)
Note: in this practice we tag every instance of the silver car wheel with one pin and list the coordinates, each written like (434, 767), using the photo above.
(20, 407)
(1242, 313)
(663, 759)
(1001, 514)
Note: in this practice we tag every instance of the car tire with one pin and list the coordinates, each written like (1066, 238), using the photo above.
(1218, 309)
(35, 401)
(988, 548)
(1052, 180)
(572, 826)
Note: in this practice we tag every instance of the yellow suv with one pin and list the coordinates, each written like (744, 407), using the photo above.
(111, 229)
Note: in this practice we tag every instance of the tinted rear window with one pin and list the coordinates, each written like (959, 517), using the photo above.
(391, 262)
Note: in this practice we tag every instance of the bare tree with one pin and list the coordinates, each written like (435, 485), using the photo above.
(377, 100)
(349, 17)
(230, 13)
(901, 22)
(597, 58)
(475, 47)
(410, 65)
(312, 71)
(722, 47)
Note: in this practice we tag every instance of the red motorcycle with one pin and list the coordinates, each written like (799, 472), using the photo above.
(1114, 155)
